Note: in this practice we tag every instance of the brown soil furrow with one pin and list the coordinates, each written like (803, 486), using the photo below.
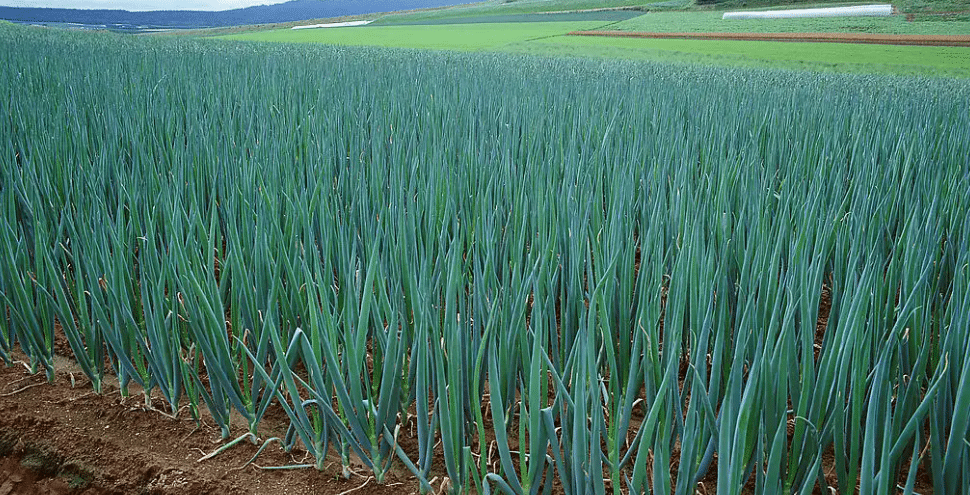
(867, 38)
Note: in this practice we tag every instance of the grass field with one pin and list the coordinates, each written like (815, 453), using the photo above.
(604, 16)
(540, 27)
(502, 7)
(517, 7)
(469, 37)
(886, 59)
(549, 38)
(711, 22)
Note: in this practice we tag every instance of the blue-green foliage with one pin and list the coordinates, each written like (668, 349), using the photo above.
(607, 267)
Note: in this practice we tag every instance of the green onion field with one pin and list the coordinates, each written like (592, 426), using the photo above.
(532, 274)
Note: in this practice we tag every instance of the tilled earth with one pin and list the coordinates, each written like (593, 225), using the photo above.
(62, 438)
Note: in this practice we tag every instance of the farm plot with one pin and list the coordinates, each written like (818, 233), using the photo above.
(711, 22)
(861, 38)
(552, 39)
(525, 275)
(944, 61)
(469, 37)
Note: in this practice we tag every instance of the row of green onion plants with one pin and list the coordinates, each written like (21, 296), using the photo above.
(547, 275)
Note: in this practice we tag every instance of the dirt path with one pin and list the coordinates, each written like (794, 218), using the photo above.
(867, 38)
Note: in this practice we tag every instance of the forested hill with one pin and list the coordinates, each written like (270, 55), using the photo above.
(263, 14)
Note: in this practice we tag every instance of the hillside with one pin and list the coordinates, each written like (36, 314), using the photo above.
(263, 14)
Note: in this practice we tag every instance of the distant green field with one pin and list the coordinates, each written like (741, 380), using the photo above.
(469, 37)
(698, 22)
(516, 7)
(602, 16)
(841, 57)
(516, 27)
(549, 38)
(504, 7)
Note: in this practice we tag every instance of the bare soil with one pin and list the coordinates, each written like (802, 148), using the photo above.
(865, 38)
(62, 438)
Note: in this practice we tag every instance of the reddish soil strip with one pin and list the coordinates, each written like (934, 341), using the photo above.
(867, 38)
(63, 439)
